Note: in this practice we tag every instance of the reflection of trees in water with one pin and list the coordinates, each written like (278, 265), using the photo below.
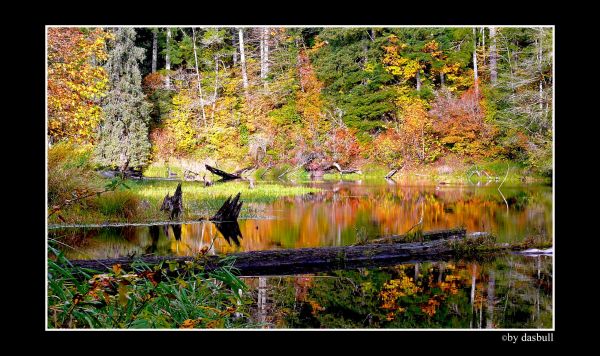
(379, 210)
(504, 294)
(340, 217)
(107, 242)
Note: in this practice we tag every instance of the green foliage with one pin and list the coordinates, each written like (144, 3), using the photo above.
(123, 139)
(121, 204)
(145, 297)
(286, 115)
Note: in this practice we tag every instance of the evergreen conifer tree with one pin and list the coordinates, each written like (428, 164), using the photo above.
(123, 137)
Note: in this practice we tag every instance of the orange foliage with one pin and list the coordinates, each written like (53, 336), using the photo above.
(164, 144)
(342, 145)
(152, 82)
(308, 100)
(459, 121)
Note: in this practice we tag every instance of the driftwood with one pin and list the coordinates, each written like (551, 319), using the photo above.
(128, 173)
(224, 175)
(174, 204)
(343, 171)
(239, 172)
(393, 172)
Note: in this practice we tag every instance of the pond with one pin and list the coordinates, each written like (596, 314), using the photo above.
(508, 292)
(341, 214)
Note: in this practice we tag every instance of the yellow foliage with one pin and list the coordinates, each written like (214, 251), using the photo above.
(75, 82)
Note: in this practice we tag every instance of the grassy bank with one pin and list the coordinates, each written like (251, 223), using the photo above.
(141, 202)
(145, 297)
(450, 170)
(73, 184)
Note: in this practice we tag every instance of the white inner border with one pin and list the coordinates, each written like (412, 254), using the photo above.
(553, 27)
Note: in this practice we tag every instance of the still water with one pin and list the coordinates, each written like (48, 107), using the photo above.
(510, 291)
(341, 214)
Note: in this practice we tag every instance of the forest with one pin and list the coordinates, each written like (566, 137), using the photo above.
(348, 144)
(266, 96)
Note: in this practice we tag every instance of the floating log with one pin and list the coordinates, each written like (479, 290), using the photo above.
(302, 260)
(425, 236)
(224, 175)
(309, 260)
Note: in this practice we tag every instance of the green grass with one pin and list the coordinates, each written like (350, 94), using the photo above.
(160, 170)
(145, 297)
(198, 201)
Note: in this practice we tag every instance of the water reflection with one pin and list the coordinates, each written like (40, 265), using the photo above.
(230, 230)
(509, 292)
(342, 214)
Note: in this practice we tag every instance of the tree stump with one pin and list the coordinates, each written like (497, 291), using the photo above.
(174, 204)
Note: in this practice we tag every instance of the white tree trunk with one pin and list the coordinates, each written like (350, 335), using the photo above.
(154, 49)
(540, 68)
(235, 50)
(266, 51)
(212, 114)
(198, 77)
(168, 60)
(475, 75)
(243, 60)
(262, 54)
(493, 57)
(483, 43)
(418, 77)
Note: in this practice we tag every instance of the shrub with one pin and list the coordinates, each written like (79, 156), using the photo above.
(69, 170)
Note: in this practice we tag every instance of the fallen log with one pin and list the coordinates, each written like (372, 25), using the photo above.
(239, 172)
(393, 172)
(300, 260)
(224, 175)
(343, 171)
(309, 260)
(424, 236)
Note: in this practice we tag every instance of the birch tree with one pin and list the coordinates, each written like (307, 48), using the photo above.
(168, 60)
(243, 60)
(198, 77)
(475, 74)
(154, 49)
(493, 57)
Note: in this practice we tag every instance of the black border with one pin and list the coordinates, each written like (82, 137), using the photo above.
(29, 86)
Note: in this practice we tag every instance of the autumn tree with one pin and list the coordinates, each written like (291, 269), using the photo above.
(124, 131)
(76, 82)
(459, 122)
